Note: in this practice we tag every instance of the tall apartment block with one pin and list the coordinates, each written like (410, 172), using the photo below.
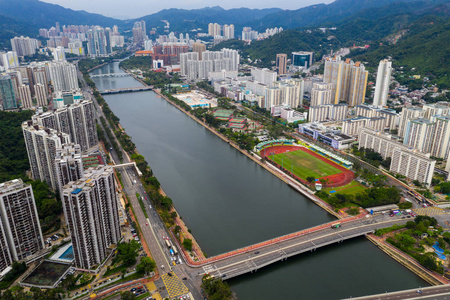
(24, 46)
(77, 120)
(20, 231)
(7, 94)
(408, 113)
(68, 164)
(382, 84)
(349, 80)
(405, 160)
(92, 215)
(41, 143)
(441, 142)
(281, 63)
(321, 93)
(63, 76)
(419, 134)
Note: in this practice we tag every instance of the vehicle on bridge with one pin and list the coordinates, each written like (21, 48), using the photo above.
(336, 225)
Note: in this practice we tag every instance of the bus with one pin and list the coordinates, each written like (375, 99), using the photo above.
(175, 251)
(336, 225)
(168, 244)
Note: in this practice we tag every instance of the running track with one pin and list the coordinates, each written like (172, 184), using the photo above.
(343, 178)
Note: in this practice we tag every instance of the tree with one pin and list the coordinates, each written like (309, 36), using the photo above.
(146, 266)
(310, 179)
(127, 296)
(215, 288)
(187, 244)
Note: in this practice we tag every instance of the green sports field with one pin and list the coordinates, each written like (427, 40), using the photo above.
(304, 164)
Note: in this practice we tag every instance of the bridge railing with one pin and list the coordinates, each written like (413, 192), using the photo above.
(254, 247)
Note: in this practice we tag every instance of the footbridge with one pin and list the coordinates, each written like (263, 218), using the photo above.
(126, 90)
(111, 75)
(131, 164)
(252, 258)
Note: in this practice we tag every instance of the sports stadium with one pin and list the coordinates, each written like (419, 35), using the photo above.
(303, 161)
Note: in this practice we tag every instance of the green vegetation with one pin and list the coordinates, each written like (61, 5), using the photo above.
(137, 62)
(374, 196)
(48, 206)
(161, 79)
(145, 266)
(412, 241)
(352, 188)
(13, 153)
(141, 203)
(383, 231)
(216, 289)
(443, 188)
(372, 157)
(126, 255)
(18, 293)
(304, 164)
(187, 244)
(17, 270)
(426, 36)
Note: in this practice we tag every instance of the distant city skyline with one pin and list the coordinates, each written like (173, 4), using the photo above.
(118, 9)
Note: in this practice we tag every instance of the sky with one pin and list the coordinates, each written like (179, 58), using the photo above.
(124, 9)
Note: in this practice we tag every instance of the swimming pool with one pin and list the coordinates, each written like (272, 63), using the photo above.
(68, 254)
(64, 254)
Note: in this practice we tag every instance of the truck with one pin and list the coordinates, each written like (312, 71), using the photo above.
(171, 252)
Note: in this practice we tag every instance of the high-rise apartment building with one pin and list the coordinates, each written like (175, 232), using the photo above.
(281, 63)
(76, 120)
(19, 222)
(265, 76)
(92, 215)
(59, 54)
(199, 48)
(63, 76)
(349, 80)
(41, 144)
(68, 165)
(25, 96)
(10, 60)
(41, 94)
(419, 134)
(7, 94)
(228, 31)
(321, 93)
(96, 42)
(408, 113)
(24, 46)
(441, 144)
(382, 84)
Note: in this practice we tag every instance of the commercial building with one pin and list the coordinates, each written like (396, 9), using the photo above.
(92, 216)
(281, 63)
(7, 94)
(24, 46)
(303, 59)
(20, 231)
(41, 144)
(63, 76)
(349, 80)
(329, 136)
(382, 84)
(405, 160)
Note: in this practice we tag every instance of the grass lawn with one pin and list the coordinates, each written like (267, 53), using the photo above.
(352, 188)
(304, 164)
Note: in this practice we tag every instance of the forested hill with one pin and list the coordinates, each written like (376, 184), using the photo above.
(10, 28)
(425, 47)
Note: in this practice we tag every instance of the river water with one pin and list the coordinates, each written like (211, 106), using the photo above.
(228, 201)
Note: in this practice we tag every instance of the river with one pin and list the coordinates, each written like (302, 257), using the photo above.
(228, 201)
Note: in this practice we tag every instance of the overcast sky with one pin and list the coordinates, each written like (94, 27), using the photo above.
(124, 9)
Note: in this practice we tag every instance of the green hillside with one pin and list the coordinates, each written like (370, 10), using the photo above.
(10, 28)
(425, 47)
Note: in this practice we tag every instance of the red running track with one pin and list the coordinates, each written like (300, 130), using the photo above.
(340, 179)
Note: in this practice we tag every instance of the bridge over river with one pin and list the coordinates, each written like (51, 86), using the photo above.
(110, 75)
(126, 90)
(252, 258)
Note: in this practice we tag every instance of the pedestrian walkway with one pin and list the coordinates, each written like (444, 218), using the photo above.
(429, 211)
(174, 285)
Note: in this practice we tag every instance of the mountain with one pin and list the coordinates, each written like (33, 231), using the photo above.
(322, 14)
(45, 15)
(182, 20)
(10, 28)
